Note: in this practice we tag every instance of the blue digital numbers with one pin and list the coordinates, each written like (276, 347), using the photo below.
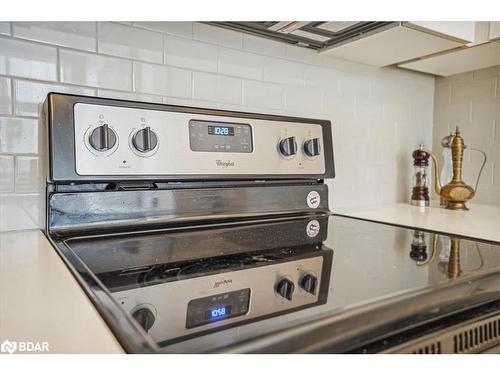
(221, 131)
(218, 312)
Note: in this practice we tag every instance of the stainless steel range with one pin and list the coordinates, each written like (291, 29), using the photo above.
(188, 220)
(198, 230)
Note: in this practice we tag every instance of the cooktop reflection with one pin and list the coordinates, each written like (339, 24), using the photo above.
(210, 287)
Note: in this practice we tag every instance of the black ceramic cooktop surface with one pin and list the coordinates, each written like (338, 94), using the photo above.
(371, 262)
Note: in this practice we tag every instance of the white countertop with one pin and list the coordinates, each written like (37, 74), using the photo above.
(40, 300)
(481, 221)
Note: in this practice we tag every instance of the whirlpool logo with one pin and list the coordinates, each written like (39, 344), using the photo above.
(223, 282)
(24, 346)
(224, 164)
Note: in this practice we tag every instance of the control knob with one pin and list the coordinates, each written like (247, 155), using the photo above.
(309, 283)
(288, 146)
(102, 138)
(145, 140)
(312, 147)
(285, 288)
(144, 317)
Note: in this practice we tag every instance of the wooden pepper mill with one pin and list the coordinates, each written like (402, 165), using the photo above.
(420, 191)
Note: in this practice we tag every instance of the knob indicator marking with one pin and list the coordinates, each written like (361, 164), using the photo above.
(144, 317)
(145, 140)
(312, 147)
(102, 138)
(285, 288)
(288, 146)
(309, 283)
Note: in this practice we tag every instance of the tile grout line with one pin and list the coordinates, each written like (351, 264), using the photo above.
(12, 96)
(58, 65)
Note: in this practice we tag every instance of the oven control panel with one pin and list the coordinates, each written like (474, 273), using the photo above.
(217, 137)
(194, 306)
(221, 306)
(116, 140)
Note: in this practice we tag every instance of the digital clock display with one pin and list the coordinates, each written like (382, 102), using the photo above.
(220, 130)
(217, 308)
(218, 312)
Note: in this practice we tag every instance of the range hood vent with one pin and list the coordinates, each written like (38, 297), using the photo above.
(313, 34)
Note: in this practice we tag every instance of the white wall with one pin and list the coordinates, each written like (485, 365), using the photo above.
(472, 102)
(378, 115)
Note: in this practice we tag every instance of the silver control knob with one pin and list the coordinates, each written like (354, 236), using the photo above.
(102, 138)
(312, 147)
(145, 140)
(288, 146)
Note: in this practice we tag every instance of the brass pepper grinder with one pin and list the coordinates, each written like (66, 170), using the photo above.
(456, 192)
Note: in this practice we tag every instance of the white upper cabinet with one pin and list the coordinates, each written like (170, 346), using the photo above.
(409, 41)
(466, 31)
(388, 47)
(460, 61)
(482, 52)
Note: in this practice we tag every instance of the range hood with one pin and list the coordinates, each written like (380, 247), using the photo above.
(316, 35)
(390, 43)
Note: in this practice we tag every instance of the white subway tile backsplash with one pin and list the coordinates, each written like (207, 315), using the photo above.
(25, 59)
(318, 76)
(18, 135)
(263, 46)
(208, 86)
(129, 96)
(204, 66)
(338, 105)
(304, 101)
(282, 71)
(442, 95)
(265, 95)
(162, 80)
(5, 96)
(31, 95)
(484, 112)
(189, 102)
(5, 28)
(217, 35)
(368, 111)
(78, 35)
(6, 173)
(26, 174)
(240, 64)
(182, 29)
(305, 55)
(19, 211)
(350, 84)
(384, 89)
(189, 54)
(470, 101)
(129, 42)
(478, 90)
(94, 70)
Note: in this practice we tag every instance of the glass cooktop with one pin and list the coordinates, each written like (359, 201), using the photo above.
(241, 281)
